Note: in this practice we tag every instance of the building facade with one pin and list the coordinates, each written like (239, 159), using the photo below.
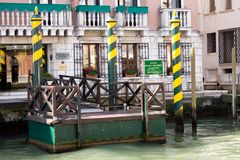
(75, 39)
(221, 32)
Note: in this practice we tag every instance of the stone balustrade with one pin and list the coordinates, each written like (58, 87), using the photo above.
(15, 19)
(132, 17)
(91, 17)
(183, 14)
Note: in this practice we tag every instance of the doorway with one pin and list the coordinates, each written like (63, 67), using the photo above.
(15, 70)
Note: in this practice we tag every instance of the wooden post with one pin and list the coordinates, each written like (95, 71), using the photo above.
(234, 83)
(193, 80)
(79, 121)
(145, 111)
(54, 102)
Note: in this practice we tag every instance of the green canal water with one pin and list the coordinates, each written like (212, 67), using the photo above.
(216, 139)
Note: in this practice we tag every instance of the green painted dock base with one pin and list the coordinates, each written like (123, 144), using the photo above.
(98, 128)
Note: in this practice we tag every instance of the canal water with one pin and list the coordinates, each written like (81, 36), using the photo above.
(216, 139)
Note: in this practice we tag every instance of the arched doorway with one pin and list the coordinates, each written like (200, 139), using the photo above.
(15, 70)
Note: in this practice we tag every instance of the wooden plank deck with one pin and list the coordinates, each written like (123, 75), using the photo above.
(96, 116)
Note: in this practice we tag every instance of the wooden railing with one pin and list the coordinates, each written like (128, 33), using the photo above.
(52, 101)
(89, 87)
(155, 95)
(59, 96)
(92, 90)
(126, 93)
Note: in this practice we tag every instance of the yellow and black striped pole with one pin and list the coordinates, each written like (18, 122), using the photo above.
(37, 47)
(177, 68)
(112, 57)
(2, 60)
(2, 69)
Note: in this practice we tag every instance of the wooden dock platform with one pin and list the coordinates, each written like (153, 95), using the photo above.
(56, 124)
(64, 133)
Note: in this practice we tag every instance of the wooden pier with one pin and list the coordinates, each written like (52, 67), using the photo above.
(56, 123)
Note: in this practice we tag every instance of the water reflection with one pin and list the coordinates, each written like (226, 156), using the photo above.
(215, 139)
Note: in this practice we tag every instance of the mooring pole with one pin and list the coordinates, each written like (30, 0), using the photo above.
(177, 79)
(2, 60)
(112, 57)
(234, 73)
(2, 68)
(79, 121)
(37, 47)
(193, 80)
(144, 107)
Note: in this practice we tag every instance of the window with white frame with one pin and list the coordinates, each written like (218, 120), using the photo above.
(211, 42)
(90, 2)
(228, 4)
(42, 1)
(177, 4)
(212, 6)
(127, 2)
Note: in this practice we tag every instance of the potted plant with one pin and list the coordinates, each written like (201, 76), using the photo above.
(90, 72)
(131, 73)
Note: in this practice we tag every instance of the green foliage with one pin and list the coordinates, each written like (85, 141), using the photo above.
(89, 71)
(47, 75)
(131, 71)
(93, 72)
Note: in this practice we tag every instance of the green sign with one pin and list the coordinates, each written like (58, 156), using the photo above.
(153, 67)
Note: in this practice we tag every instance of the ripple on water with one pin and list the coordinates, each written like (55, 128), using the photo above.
(215, 139)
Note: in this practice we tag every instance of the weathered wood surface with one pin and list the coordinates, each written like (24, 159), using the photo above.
(60, 96)
(97, 117)
(52, 100)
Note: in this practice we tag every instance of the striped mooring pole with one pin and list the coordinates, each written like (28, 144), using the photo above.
(2, 60)
(2, 69)
(112, 57)
(177, 68)
(37, 48)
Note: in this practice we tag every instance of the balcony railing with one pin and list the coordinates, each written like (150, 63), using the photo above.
(91, 17)
(132, 17)
(15, 19)
(183, 14)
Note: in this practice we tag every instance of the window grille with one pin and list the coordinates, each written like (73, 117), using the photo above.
(211, 42)
(164, 53)
(142, 53)
(78, 59)
(226, 43)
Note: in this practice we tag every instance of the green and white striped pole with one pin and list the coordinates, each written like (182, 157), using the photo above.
(112, 57)
(177, 79)
(37, 48)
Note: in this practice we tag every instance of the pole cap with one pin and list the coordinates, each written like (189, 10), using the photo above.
(175, 18)
(36, 16)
